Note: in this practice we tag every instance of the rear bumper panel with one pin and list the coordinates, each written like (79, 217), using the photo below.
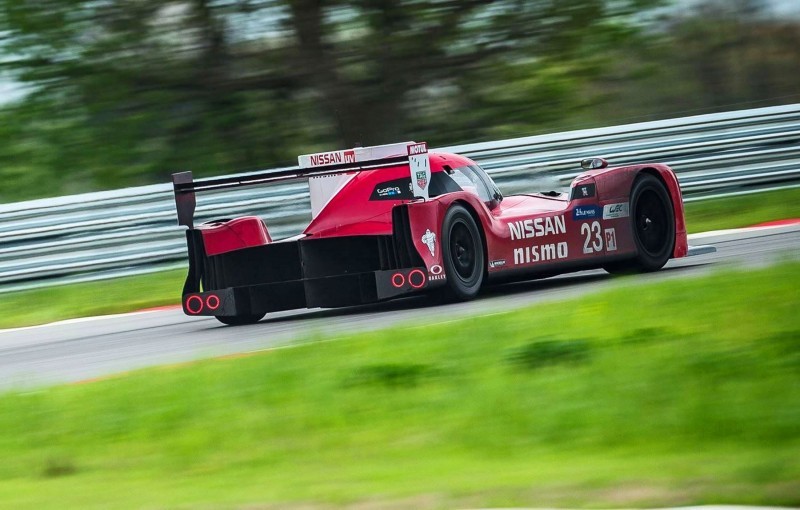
(305, 273)
(326, 292)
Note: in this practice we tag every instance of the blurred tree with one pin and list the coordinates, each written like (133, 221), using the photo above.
(720, 55)
(123, 93)
(744, 54)
(141, 89)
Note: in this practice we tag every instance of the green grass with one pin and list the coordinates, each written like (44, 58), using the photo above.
(674, 393)
(137, 292)
(88, 299)
(742, 211)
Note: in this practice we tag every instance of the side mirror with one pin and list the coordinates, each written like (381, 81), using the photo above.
(593, 163)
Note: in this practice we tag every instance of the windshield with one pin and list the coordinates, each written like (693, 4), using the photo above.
(471, 179)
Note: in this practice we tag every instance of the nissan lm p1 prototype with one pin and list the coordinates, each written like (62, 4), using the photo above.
(396, 220)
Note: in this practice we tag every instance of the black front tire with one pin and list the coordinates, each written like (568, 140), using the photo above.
(653, 223)
(240, 320)
(462, 253)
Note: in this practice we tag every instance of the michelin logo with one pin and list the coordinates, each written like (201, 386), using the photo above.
(429, 238)
(613, 211)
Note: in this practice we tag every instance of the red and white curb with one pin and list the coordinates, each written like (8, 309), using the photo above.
(769, 228)
(78, 320)
(700, 507)
(720, 236)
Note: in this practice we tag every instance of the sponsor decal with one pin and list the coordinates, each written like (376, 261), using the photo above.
(611, 239)
(422, 179)
(388, 192)
(583, 191)
(420, 167)
(541, 253)
(497, 263)
(613, 211)
(436, 273)
(417, 148)
(588, 212)
(537, 227)
(429, 238)
(396, 189)
(333, 158)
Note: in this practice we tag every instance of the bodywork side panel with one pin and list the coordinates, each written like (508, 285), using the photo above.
(550, 234)
(615, 184)
(538, 234)
(425, 232)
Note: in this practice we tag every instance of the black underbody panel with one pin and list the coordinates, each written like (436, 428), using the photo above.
(308, 273)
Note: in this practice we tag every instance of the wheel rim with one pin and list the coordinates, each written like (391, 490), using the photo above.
(462, 250)
(652, 219)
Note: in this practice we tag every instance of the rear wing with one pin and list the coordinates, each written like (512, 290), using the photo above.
(414, 154)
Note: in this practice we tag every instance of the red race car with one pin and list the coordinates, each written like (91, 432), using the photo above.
(395, 220)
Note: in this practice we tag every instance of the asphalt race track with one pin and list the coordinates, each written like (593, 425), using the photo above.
(87, 348)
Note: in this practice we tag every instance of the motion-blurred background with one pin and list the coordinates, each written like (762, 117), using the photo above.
(670, 389)
(102, 94)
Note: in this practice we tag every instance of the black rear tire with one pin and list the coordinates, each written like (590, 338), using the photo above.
(462, 254)
(653, 223)
(240, 320)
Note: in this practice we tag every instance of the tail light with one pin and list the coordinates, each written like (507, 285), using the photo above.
(416, 278)
(194, 304)
(398, 280)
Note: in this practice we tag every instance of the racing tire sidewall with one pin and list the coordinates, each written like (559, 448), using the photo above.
(459, 287)
(650, 187)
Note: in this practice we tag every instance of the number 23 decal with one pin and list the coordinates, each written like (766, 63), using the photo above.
(594, 239)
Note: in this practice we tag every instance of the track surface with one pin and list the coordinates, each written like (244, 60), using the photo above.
(87, 348)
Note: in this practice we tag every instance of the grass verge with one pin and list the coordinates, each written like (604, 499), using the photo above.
(88, 299)
(742, 211)
(137, 292)
(675, 393)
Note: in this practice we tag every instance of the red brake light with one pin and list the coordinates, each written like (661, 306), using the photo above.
(398, 280)
(212, 302)
(198, 304)
(416, 278)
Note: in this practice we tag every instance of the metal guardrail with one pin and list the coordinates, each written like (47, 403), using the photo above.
(133, 230)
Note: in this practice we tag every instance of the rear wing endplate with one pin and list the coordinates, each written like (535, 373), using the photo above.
(414, 154)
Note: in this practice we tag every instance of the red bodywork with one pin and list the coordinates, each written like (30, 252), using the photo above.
(532, 233)
(225, 236)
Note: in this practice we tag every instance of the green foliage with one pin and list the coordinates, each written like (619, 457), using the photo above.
(124, 93)
(688, 397)
(55, 467)
(542, 353)
(390, 375)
